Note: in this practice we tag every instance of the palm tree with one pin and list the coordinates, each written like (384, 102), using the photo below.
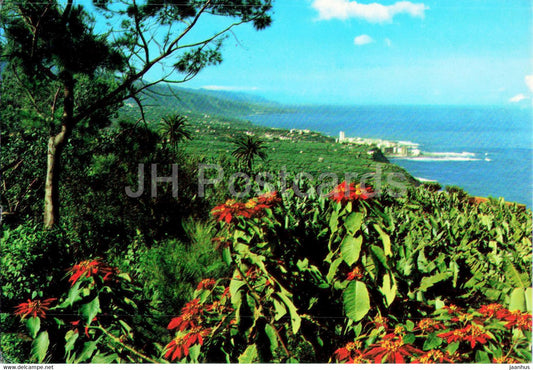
(173, 129)
(249, 147)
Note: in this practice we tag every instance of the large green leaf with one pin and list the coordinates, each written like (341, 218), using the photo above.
(353, 222)
(528, 297)
(270, 331)
(428, 281)
(34, 325)
(351, 248)
(385, 239)
(389, 289)
(517, 300)
(279, 309)
(296, 320)
(89, 310)
(40, 346)
(356, 300)
(249, 355)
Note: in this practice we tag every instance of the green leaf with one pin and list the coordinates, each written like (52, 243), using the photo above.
(279, 308)
(528, 297)
(334, 221)
(40, 346)
(296, 320)
(249, 355)
(452, 347)
(353, 222)
(194, 353)
(101, 358)
(432, 341)
(428, 281)
(379, 254)
(356, 301)
(517, 300)
(351, 248)
(409, 325)
(226, 255)
(70, 341)
(333, 269)
(270, 331)
(86, 352)
(409, 338)
(234, 286)
(482, 357)
(389, 289)
(385, 239)
(34, 325)
(89, 310)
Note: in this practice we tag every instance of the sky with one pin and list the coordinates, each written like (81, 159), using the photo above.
(476, 52)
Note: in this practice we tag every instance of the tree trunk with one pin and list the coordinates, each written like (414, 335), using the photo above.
(56, 143)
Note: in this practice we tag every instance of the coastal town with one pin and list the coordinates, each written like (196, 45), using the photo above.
(389, 148)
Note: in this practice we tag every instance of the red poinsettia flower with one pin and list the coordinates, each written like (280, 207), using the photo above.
(350, 354)
(206, 284)
(392, 350)
(34, 308)
(363, 193)
(226, 211)
(517, 319)
(452, 309)
(453, 336)
(196, 335)
(269, 199)
(428, 325)
(90, 268)
(356, 273)
(190, 316)
(475, 334)
(342, 193)
(177, 348)
(490, 310)
(433, 356)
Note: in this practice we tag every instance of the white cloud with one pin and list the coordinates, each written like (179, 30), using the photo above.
(229, 88)
(374, 13)
(529, 82)
(517, 98)
(388, 42)
(363, 40)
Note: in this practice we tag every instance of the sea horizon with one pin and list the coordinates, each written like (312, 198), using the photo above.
(498, 139)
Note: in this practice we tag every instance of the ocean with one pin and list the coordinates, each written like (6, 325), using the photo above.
(485, 150)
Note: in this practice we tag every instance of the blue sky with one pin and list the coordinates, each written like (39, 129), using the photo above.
(383, 52)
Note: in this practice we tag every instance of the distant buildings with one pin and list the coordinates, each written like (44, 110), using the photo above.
(389, 148)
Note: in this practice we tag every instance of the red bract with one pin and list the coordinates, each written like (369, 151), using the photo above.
(90, 268)
(356, 273)
(490, 310)
(190, 316)
(177, 348)
(226, 211)
(196, 335)
(206, 284)
(453, 336)
(429, 325)
(452, 309)
(475, 334)
(517, 319)
(345, 192)
(34, 308)
(350, 354)
(392, 350)
(269, 199)
(254, 207)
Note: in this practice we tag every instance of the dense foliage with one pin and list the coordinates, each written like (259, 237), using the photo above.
(351, 277)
